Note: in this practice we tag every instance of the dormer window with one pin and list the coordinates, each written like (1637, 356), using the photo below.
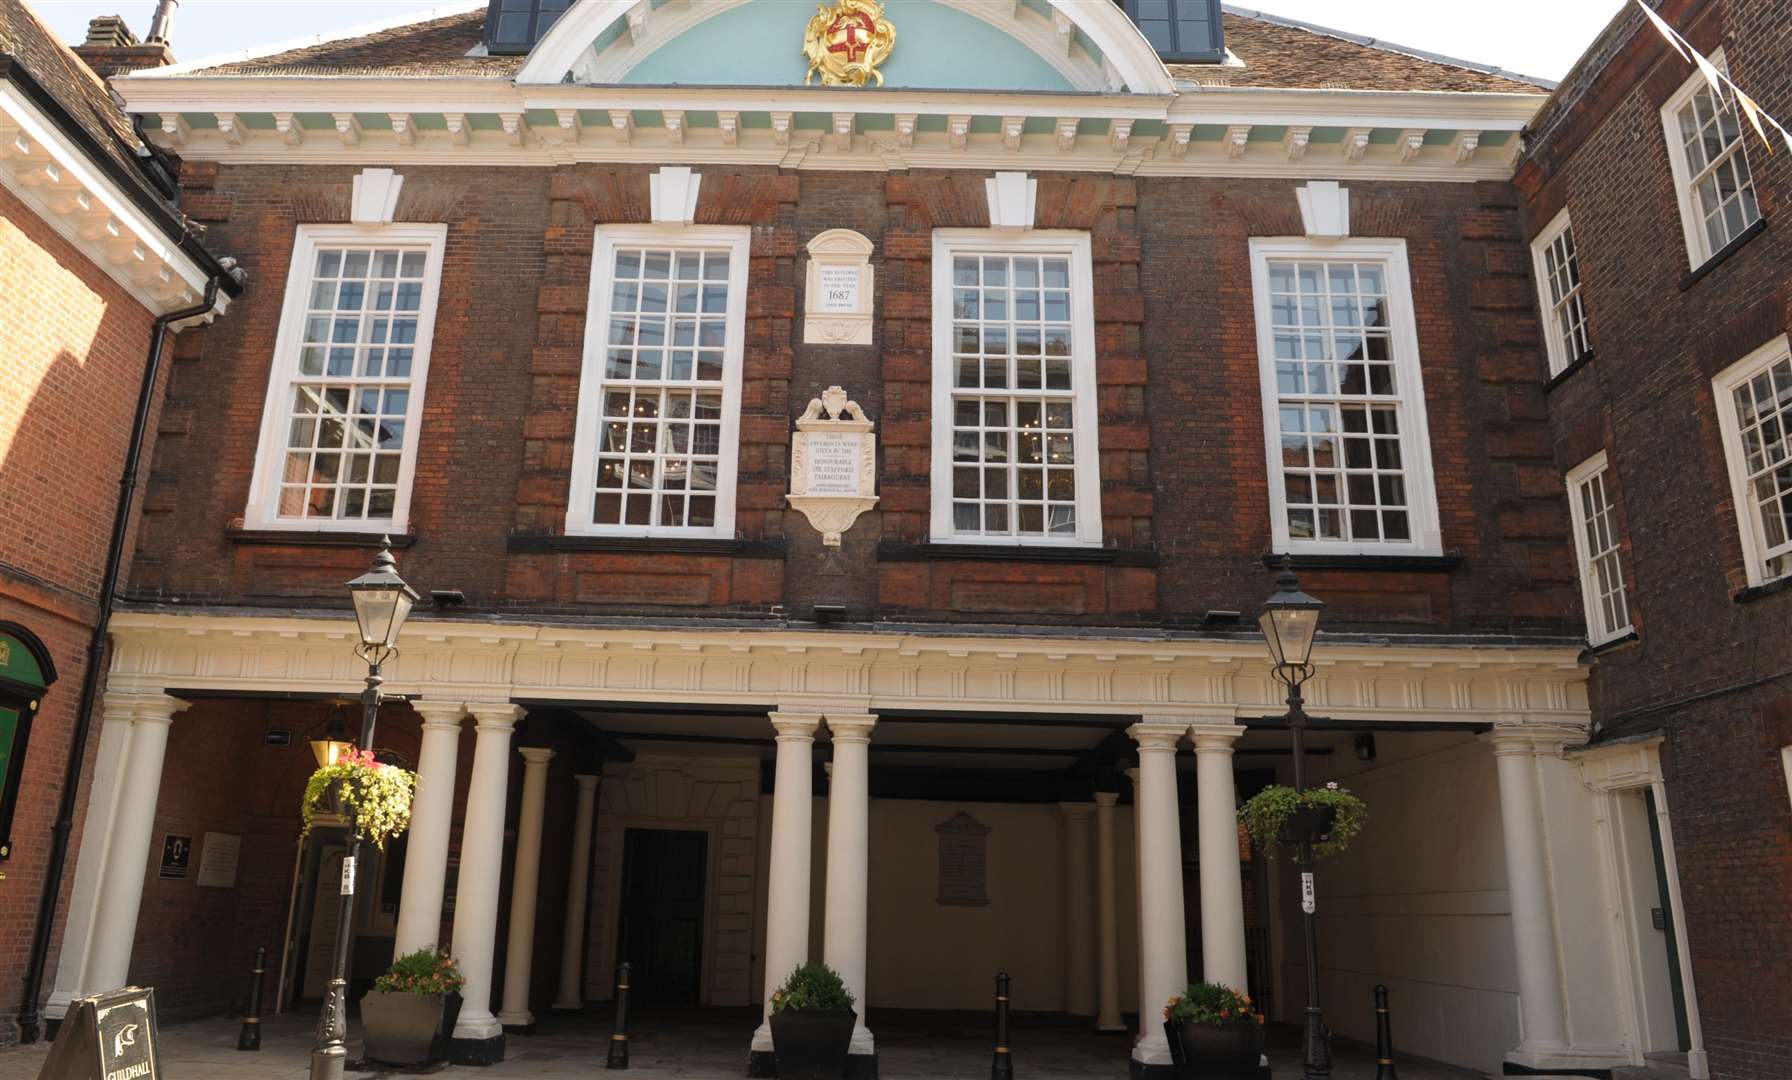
(514, 26)
(1182, 31)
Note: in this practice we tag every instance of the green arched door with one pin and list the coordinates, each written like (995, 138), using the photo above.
(26, 672)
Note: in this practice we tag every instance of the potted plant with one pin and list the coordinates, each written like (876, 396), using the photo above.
(1214, 1033)
(406, 1017)
(378, 795)
(1328, 817)
(812, 1022)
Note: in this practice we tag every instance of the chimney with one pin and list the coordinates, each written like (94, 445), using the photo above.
(111, 49)
(164, 18)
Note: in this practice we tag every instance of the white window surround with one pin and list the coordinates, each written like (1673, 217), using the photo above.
(1692, 220)
(1560, 293)
(1786, 763)
(1601, 626)
(1074, 245)
(1415, 442)
(735, 239)
(1757, 552)
(264, 489)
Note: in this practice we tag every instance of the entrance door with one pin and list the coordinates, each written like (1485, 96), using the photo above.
(661, 933)
(1650, 916)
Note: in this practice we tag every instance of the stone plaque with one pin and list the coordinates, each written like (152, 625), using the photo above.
(837, 307)
(218, 861)
(964, 861)
(833, 464)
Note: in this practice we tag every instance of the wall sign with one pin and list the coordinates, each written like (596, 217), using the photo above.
(833, 464)
(964, 861)
(837, 305)
(109, 1036)
(218, 861)
(177, 855)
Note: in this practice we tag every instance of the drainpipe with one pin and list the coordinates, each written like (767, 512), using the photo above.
(90, 679)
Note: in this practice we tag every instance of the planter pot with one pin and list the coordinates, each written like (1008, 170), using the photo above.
(451, 1003)
(1215, 1051)
(812, 1044)
(1312, 823)
(401, 1029)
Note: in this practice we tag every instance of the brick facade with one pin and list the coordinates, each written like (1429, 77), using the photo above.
(1707, 664)
(1184, 500)
(74, 343)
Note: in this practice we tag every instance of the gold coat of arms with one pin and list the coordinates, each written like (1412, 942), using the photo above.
(845, 42)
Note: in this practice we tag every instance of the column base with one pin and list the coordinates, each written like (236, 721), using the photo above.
(861, 1066)
(476, 1052)
(1111, 1027)
(1142, 1071)
(1588, 1072)
(518, 1023)
(558, 1009)
(52, 1025)
(520, 1029)
(1564, 1061)
(761, 1064)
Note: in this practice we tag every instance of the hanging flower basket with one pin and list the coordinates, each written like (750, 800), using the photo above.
(1328, 817)
(379, 796)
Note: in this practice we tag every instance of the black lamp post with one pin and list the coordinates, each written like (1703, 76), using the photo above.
(1290, 621)
(382, 602)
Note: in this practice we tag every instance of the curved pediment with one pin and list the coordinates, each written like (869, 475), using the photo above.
(1007, 45)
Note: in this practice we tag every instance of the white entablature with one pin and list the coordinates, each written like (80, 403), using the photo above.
(806, 670)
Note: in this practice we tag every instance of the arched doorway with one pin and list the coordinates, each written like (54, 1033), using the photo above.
(26, 672)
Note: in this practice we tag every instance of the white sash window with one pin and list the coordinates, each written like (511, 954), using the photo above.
(1594, 507)
(1558, 282)
(1712, 178)
(1754, 409)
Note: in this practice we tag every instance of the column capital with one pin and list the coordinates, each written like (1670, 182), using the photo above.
(798, 727)
(1108, 799)
(586, 780)
(1156, 735)
(1078, 811)
(441, 714)
(850, 727)
(496, 715)
(151, 708)
(535, 756)
(1527, 737)
(1214, 736)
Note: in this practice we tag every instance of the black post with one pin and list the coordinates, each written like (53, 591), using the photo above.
(329, 1058)
(1317, 1040)
(1002, 1068)
(250, 1038)
(619, 1040)
(1384, 1037)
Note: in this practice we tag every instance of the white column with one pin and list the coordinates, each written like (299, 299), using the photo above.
(1163, 970)
(127, 857)
(849, 841)
(525, 882)
(1541, 1011)
(1107, 919)
(1222, 885)
(787, 887)
(578, 880)
(481, 865)
(1079, 910)
(432, 820)
(96, 840)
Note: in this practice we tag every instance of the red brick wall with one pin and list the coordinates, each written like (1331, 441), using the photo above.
(1182, 459)
(74, 344)
(1707, 668)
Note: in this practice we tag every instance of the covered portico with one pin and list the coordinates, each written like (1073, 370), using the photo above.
(855, 788)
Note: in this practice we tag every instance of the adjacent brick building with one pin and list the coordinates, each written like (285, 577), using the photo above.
(93, 254)
(1691, 661)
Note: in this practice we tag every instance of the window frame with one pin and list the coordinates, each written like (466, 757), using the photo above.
(1748, 521)
(580, 511)
(1427, 536)
(1180, 55)
(263, 507)
(1591, 601)
(495, 47)
(1559, 360)
(1692, 220)
(1075, 245)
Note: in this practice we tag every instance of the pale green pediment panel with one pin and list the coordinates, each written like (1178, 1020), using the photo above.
(761, 44)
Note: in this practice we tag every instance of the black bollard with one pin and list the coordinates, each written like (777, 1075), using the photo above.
(250, 1038)
(1002, 1068)
(1384, 1037)
(619, 1040)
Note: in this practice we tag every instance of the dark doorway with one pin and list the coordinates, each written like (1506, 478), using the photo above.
(661, 935)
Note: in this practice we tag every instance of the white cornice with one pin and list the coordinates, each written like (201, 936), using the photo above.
(46, 171)
(807, 670)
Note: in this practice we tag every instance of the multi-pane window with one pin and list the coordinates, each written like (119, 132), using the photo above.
(1594, 507)
(660, 403)
(1013, 347)
(514, 26)
(1716, 188)
(347, 381)
(1181, 29)
(1343, 404)
(1564, 310)
(1755, 402)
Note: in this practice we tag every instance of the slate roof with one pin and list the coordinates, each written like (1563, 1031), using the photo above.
(1276, 53)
